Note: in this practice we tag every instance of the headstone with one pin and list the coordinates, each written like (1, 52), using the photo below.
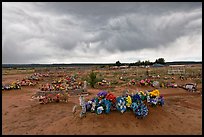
(81, 100)
(85, 86)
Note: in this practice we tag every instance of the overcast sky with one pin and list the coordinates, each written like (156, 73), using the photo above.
(101, 32)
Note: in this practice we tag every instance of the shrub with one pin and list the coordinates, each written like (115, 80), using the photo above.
(92, 79)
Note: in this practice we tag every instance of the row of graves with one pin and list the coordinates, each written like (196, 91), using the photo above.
(60, 89)
(106, 102)
(69, 83)
(44, 97)
(156, 82)
(31, 80)
(153, 83)
(192, 87)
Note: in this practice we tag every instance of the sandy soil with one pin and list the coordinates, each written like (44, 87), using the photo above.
(181, 114)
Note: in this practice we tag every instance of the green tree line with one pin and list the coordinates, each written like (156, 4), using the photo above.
(146, 62)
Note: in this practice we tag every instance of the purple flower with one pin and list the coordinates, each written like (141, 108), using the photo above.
(102, 94)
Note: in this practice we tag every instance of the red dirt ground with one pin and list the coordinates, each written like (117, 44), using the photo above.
(181, 115)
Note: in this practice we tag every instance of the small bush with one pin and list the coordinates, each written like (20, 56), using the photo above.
(92, 79)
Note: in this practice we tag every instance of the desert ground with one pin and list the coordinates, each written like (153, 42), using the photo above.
(180, 115)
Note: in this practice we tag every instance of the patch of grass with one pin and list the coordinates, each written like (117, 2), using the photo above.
(198, 81)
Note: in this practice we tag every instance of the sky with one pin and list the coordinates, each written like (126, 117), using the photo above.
(100, 32)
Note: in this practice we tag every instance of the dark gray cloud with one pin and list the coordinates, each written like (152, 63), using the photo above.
(99, 32)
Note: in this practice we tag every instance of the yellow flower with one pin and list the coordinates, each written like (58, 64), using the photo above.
(154, 93)
(128, 101)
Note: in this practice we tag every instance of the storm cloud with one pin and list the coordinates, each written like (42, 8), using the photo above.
(90, 32)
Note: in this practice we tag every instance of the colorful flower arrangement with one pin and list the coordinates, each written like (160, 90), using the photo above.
(106, 102)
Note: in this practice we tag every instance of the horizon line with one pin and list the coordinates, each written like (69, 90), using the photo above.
(88, 63)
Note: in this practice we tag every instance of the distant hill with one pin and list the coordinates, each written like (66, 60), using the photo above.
(86, 64)
(183, 62)
(50, 65)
